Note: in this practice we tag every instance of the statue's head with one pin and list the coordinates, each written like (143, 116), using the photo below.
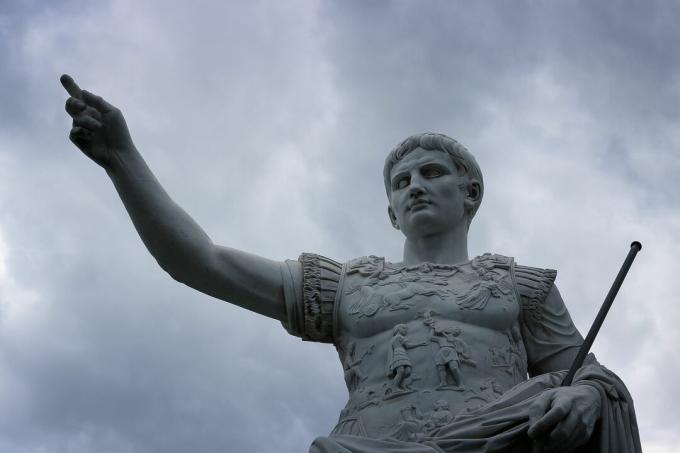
(400, 329)
(435, 163)
(452, 331)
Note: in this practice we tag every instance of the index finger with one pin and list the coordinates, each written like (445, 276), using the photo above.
(71, 86)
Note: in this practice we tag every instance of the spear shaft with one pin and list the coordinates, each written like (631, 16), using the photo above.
(635, 247)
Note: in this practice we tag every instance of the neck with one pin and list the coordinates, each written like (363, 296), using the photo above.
(449, 247)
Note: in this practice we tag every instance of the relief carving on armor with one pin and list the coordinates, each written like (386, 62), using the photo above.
(422, 280)
(440, 415)
(399, 364)
(375, 268)
(371, 267)
(510, 358)
(482, 285)
(371, 302)
(415, 425)
(410, 429)
(367, 397)
(486, 280)
(452, 352)
(362, 398)
(352, 366)
(349, 423)
(489, 391)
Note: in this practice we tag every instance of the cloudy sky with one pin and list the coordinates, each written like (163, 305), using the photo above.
(268, 122)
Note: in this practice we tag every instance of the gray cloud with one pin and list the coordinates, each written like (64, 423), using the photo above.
(269, 124)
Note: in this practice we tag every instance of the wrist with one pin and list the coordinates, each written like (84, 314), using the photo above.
(124, 162)
(592, 391)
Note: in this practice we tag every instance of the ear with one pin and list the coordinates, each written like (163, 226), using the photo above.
(473, 194)
(393, 218)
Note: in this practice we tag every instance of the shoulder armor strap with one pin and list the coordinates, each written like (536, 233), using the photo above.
(490, 261)
(320, 277)
(365, 265)
(533, 285)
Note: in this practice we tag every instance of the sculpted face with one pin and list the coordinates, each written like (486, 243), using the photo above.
(428, 194)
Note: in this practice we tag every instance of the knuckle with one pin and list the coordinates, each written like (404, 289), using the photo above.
(93, 112)
(82, 120)
(535, 411)
(75, 103)
(80, 132)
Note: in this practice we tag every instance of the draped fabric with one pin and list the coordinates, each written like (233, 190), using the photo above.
(501, 425)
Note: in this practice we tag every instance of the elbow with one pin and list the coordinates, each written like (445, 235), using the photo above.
(171, 271)
(188, 266)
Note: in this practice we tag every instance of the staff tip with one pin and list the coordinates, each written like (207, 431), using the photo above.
(636, 245)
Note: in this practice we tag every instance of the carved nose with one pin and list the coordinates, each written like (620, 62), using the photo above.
(415, 190)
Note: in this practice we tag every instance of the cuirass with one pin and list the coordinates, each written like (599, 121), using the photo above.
(421, 344)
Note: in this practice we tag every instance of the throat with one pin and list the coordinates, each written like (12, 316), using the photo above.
(448, 248)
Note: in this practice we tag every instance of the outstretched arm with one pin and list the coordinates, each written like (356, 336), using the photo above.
(174, 239)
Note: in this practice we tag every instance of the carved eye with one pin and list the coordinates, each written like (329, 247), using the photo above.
(401, 183)
(432, 172)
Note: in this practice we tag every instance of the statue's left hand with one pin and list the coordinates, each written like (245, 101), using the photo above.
(563, 419)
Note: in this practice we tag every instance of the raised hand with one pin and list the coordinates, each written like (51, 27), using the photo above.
(562, 419)
(99, 129)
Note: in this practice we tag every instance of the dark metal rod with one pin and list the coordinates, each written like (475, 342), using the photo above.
(606, 305)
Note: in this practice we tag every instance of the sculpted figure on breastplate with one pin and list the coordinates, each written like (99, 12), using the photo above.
(439, 352)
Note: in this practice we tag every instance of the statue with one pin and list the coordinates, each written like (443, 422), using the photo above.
(441, 352)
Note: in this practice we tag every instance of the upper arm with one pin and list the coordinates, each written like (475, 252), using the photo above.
(299, 293)
(243, 279)
(550, 337)
(556, 340)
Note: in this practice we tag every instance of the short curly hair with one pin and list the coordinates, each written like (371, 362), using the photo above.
(462, 158)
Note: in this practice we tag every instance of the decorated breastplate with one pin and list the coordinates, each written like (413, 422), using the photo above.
(375, 292)
(421, 343)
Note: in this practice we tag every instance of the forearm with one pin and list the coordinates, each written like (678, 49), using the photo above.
(179, 245)
(176, 241)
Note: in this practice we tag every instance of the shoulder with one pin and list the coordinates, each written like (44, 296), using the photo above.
(320, 279)
(532, 284)
(534, 281)
(317, 267)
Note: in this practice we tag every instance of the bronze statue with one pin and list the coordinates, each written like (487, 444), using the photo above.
(475, 348)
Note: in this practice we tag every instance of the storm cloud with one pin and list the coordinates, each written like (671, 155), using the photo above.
(269, 123)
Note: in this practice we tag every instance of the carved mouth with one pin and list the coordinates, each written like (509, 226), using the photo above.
(418, 204)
